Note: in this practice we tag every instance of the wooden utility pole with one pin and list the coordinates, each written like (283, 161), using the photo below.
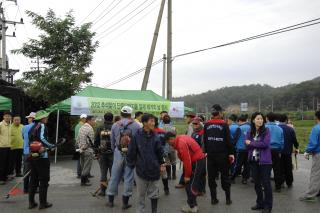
(169, 52)
(153, 47)
(164, 76)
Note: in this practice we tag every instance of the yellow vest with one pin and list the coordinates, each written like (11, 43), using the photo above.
(16, 137)
(5, 135)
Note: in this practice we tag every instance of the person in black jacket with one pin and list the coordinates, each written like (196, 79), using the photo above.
(220, 151)
(290, 140)
(146, 154)
(102, 142)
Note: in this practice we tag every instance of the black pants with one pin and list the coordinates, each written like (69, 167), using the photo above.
(15, 164)
(40, 176)
(105, 163)
(195, 185)
(276, 166)
(218, 163)
(261, 176)
(242, 161)
(286, 167)
(26, 169)
(4, 162)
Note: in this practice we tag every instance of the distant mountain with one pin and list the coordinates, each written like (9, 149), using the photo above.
(285, 98)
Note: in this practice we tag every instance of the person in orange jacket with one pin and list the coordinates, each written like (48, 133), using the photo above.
(194, 166)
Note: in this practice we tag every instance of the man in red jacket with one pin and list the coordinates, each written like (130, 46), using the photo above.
(193, 158)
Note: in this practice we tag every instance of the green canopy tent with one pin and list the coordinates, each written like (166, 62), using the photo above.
(5, 103)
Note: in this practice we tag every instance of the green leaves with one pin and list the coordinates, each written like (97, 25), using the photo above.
(65, 49)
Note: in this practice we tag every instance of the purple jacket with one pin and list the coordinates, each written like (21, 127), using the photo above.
(262, 144)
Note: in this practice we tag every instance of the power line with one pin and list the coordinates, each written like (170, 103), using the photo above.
(131, 26)
(115, 15)
(133, 74)
(99, 19)
(111, 31)
(92, 11)
(270, 33)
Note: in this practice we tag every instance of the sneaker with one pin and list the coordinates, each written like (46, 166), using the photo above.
(308, 199)
(256, 207)
(188, 209)
(214, 201)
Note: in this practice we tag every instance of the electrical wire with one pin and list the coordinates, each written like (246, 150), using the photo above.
(129, 28)
(92, 11)
(133, 74)
(270, 33)
(109, 31)
(115, 15)
(97, 20)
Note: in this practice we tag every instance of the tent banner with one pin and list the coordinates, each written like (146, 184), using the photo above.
(99, 106)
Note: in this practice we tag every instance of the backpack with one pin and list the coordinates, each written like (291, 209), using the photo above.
(105, 141)
(125, 136)
(34, 133)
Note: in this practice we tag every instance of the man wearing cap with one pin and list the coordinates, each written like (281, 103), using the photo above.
(220, 151)
(4, 146)
(40, 167)
(121, 134)
(26, 152)
(189, 117)
(82, 120)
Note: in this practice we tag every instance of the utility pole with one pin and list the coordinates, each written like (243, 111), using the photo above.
(153, 47)
(302, 109)
(37, 67)
(272, 105)
(169, 52)
(259, 104)
(164, 76)
(4, 67)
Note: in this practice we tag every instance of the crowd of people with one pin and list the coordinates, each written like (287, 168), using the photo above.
(142, 150)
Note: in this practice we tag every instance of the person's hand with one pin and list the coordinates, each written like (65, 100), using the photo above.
(186, 180)
(248, 142)
(306, 155)
(231, 159)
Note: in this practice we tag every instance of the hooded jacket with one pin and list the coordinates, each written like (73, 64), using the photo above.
(146, 154)
(217, 138)
(189, 152)
(244, 128)
(262, 145)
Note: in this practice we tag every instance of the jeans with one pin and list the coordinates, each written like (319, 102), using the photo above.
(120, 170)
(261, 176)
(196, 181)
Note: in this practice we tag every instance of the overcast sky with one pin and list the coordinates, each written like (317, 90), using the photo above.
(277, 60)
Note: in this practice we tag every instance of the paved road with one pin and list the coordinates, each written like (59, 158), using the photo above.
(67, 195)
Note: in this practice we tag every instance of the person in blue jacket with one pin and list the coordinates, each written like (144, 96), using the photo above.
(313, 149)
(242, 152)
(276, 145)
(234, 135)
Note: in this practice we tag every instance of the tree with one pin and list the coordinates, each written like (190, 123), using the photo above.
(66, 50)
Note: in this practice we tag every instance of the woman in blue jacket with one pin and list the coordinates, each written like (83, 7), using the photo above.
(259, 155)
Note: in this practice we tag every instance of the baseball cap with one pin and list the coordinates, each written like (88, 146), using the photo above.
(126, 110)
(217, 108)
(31, 115)
(196, 120)
(83, 116)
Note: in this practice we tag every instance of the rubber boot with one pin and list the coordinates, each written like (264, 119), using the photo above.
(111, 201)
(166, 186)
(125, 200)
(228, 197)
(154, 205)
(214, 199)
(84, 181)
(43, 198)
(102, 192)
(168, 169)
(32, 192)
(174, 169)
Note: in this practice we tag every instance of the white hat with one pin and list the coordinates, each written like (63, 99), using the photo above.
(83, 116)
(31, 115)
(126, 110)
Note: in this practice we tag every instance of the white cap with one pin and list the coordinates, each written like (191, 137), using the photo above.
(126, 110)
(83, 116)
(31, 115)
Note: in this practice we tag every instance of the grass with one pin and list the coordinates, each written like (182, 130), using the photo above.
(302, 128)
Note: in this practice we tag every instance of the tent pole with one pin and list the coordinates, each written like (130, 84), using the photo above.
(57, 133)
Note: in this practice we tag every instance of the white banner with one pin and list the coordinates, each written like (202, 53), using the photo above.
(176, 109)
